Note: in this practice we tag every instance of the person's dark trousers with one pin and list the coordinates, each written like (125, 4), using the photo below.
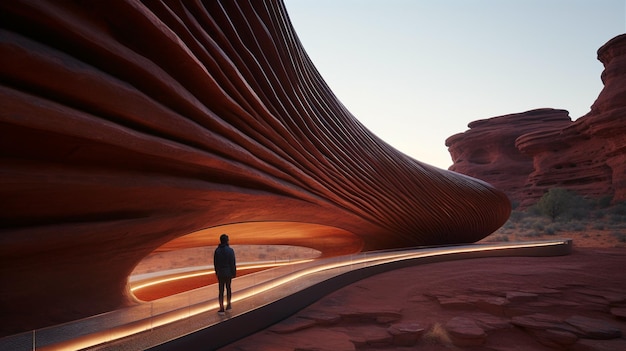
(224, 282)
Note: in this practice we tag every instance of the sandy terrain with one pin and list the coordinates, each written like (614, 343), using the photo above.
(587, 238)
(491, 293)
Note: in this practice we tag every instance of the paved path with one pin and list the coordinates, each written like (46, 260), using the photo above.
(260, 299)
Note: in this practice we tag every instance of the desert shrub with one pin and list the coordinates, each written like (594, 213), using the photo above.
(496, 237)
(563, 204)
(599, 214)
(517, 216)
(619, 209)
(437, 335)
(574, 226)
(617, 219)
(534, 210)
(533, 233)
(580, 208)
(551, 230)
(509, 225)
(598, 226)
(505, 231)
(525, 225)
(604, 201)
(533, 222)
(620, 236)
(553, 203)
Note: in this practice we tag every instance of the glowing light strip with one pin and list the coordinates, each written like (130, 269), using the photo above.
(188, 311)
(208, 272)
(390, 257)
(166, 280)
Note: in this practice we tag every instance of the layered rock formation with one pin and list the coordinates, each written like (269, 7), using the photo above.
(488, 151)
(125, 125)
(528, 153)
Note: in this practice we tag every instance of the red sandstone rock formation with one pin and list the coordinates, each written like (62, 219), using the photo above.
(125, 125)
(587, 156)
(487, 150)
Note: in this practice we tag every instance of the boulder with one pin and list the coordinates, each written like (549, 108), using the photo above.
(592, 328)
(374, 339)
(541, 321)
(490, 322)
(367, 316)
(465, 332)
(558, 339)
(406, 333)
(519, 296)
(321, 318)
(292, 325)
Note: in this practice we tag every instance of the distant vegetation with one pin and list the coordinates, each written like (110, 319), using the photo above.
(564, 213)
(563, 205)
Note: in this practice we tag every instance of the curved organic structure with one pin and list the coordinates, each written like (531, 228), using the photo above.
(127, 124)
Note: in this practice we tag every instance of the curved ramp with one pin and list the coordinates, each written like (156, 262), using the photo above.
(189, 320)
(308, 286)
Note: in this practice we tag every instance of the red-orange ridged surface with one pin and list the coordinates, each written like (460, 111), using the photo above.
(127, 124)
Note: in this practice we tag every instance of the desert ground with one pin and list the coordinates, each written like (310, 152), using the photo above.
(575, 302)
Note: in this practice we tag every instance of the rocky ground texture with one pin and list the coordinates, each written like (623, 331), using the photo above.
(575, 302)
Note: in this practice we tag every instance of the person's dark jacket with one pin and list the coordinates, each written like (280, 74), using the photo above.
(224, 261)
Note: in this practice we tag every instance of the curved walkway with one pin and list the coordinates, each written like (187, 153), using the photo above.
(189, 320)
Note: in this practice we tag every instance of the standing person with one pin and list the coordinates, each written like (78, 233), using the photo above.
(225, 269)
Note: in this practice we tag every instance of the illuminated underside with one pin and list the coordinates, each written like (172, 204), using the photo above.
(125, 125)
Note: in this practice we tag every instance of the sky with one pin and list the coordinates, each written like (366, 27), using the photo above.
(416, 72)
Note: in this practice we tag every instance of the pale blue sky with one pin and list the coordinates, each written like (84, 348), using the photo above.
(415, 72)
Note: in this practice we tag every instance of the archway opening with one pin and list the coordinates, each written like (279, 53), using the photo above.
(186, 263)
